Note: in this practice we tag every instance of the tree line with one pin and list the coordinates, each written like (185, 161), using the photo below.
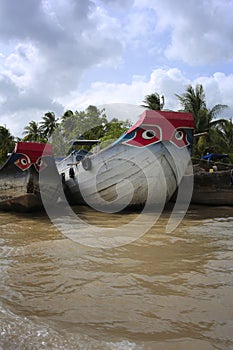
(213, 134)
(92, 123)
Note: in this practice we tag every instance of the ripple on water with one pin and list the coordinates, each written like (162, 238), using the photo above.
(163, 291)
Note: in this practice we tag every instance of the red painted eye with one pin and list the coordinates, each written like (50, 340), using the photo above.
(145, 136)
(148, 134)
(40, 164)
(23, 162)
(179, 138)
(179, 135)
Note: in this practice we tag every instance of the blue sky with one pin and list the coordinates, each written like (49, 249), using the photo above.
(67, 54)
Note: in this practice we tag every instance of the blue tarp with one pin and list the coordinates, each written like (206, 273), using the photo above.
(214, 156)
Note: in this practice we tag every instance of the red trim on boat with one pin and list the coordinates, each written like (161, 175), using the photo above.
(166, 120)
(33, 149)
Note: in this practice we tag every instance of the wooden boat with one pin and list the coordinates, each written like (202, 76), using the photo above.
(145, 165)
(213, 181)
(20, 185)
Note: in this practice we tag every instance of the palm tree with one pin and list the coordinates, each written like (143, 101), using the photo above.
(33, 133)
(194, 101)
(6, 143)
(49, 124)
(153, 101)
(226, 137)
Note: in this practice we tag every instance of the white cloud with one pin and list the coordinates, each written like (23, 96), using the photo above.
(167, 82)
(55, 42)
(200, 31)
(218, 88)
(47, 47)
(22, 66)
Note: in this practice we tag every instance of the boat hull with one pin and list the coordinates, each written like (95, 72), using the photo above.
(21, 190)
(143, 167)
(122, 176)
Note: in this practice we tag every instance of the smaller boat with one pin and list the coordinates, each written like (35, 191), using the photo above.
(213, 181)
(20, 182)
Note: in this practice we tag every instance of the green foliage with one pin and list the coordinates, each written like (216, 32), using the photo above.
(41, 132)
(7, 143)
(81, 122)
(34, 133)
(113, 131)
(48, 125)
(90, 124)
(153, 101)
(194, 101)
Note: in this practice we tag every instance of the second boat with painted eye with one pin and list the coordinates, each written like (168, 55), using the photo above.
(21, 185)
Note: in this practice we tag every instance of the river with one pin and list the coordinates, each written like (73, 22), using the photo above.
(165, 291)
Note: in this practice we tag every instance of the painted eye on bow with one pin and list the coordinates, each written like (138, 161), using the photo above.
(145, 136)
(23, 162)
(179, 135)
(40, 164)
(179, 138)
(148, 134)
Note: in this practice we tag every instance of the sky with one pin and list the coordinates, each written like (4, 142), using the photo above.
(57, 55)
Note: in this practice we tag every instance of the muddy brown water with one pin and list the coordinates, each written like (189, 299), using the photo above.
(171, 291)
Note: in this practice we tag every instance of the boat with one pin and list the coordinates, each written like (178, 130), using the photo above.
(213, 181)
(20, 183)
(144, 166)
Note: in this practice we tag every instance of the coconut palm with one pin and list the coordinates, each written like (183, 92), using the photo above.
(227, 131)
(33, 132)
(49, 124)
(226, 137)
(194, 101)
(153, 101)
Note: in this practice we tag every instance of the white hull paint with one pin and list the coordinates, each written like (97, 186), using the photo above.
(144, 166)
(122, 176)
